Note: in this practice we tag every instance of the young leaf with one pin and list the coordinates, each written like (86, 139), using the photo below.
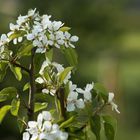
(40, 106)
(7, 93)
(71, 56)
(110, 125)
(26, 86)
(3, 111)
(66, 123)
(64, 29)
(101, 91)
(17, 72)
(95, 124)
(64, 73)
(15, 107)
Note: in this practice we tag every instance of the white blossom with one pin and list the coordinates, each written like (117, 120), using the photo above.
(86, 92)
(44, 129)
(110, 101)
(69, 39)
(3, 39)
(73, 101)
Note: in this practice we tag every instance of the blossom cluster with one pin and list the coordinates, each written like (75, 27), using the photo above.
(49, 76)
(44, 129)
(40, 31)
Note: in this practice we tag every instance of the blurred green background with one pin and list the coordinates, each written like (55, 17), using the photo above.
(108, 49)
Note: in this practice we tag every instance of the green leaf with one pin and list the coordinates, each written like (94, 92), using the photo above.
(66, 123)
(49, 54)
(95, 124)
(3, 68)
(21, 124)
(64, 73)
(40, 106)
(7, 93)
(101, 91)
(25, 49)
(16, 34)
(15, 107)
(26, 86)
(64, 29)
(110, 125)
(3, 111)
(17, 72)
(70, 55)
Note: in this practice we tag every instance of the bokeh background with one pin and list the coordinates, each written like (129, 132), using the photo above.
(108, 49)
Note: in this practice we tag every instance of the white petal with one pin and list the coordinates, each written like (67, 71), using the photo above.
(47, 125)
(70, 107)
(47, 115)
(74, 38)
(110, 97)
(39, 80)
(45, 91)
(80, 103)
(26, 136)
(15, 41)
(20, 39)
(30, 37)
(32, 124)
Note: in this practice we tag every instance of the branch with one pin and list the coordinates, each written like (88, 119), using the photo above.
(32, 88)
(20, 66)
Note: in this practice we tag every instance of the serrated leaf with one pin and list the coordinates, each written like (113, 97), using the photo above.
(7, 93)
(26, 86)
(110, 125)
(64, 73)
(40, 106)
(100, 89)
(15, 107)
(3, 111)
(64, 29)
(17, 72)
(95, 124)
(70, 55)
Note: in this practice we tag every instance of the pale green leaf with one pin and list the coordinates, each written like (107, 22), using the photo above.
(26, 86)
(7, 93)
(64, 29)
(15, 107)
(3, 111)
(64, 73)
(17, 72)
(40, 106)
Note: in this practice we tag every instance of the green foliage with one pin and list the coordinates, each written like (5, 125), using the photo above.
(71, 56)
(64, 29)
(100, 89)
(17, 72)
(7, 93)
(110, 125)
(64, 73)
(40, 106)
(3, 111)
(15, 106)
(95, 124)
